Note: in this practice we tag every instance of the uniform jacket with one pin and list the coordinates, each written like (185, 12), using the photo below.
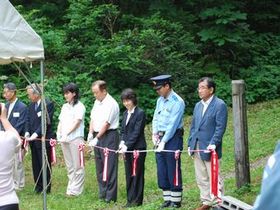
(17, 116)
(210, 128)
(33, 120)
(133, 133)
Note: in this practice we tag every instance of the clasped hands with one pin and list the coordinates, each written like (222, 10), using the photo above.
(122, 147)
(30, 138)
(159, 145)
(92, 142)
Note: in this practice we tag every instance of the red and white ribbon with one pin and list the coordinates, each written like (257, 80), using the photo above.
(176, 178)
(214, 173)
(53, 153)
(81, 148)
(135, 158)
(105, 167)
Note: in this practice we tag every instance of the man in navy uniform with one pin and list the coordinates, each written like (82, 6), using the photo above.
(168, 135)
(16, 114)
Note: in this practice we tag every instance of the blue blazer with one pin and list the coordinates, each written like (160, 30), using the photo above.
(133, 133)
(210, 128)
(17, 116)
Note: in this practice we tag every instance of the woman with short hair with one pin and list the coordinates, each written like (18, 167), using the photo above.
(133, 139)
(70, 132)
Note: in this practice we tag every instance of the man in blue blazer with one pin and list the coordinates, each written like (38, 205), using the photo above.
(33, 132)
(16, 114)
(207, 129)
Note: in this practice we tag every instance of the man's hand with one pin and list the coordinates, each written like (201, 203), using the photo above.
(120, 145)
(27, 135)
(189, 151)
(155, 139)
(211, 147)
(89, 137)
(93, 142)
(123, 148)
(160, 146)
(33, 137)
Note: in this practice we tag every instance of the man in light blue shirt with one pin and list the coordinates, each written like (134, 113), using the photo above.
(168, 135)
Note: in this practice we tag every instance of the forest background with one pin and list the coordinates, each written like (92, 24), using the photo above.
(125, 42)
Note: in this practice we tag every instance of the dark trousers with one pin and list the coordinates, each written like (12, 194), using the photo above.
(166, 164)
(36, 153)
(10, 207)
(107, 190)
(135, 184)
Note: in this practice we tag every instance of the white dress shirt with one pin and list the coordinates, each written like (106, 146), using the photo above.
(68, 116)
(129, 113)
(11, 106)
(104, 111)
(206, 104)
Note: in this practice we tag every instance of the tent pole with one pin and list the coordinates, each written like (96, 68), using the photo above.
(43, 124)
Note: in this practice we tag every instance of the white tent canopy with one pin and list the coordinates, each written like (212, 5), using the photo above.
(18, 41)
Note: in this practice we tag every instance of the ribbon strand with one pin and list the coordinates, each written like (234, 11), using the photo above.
(135, 158)
(105, 167)
(53, 153)
(81, 148)
(176, 178)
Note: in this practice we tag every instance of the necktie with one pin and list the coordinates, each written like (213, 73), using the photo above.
(36, 106)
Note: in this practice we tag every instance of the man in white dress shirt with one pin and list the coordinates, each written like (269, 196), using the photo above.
(104, 122)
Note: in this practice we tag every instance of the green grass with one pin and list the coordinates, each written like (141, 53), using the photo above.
(263, 130)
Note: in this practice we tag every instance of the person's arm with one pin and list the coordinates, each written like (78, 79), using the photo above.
(75, 125)
(221, 123)
(103, 129)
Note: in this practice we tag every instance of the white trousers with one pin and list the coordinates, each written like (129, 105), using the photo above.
(18, 170)
(203, 179)
(75, 173)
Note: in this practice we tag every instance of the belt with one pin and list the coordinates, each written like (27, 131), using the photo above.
(161, 133)
(109, 130)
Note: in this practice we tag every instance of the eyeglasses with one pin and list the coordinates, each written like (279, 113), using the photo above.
(202, 88)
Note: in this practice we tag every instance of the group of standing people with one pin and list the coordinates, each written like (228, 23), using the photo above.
(207, 129)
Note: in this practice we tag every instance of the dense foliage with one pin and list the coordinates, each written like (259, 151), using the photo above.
(127, 42)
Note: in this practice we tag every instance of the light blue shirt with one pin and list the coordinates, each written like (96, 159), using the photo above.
(168, 115)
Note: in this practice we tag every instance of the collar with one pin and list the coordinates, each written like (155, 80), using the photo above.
(104, 99)
(132, 111)
(169, 97)
(11, 104)
(38, 102)
(208, 101)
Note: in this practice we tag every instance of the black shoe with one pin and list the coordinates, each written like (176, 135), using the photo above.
(175, 205)
(165, 204)
(129, 205)
(109, 200)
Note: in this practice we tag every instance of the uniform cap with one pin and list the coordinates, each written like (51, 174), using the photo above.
(160, 81)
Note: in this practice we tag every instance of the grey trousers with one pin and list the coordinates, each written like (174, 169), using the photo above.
(75, 173)
(18, 170)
